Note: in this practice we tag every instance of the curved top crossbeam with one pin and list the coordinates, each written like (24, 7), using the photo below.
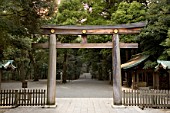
(131, 28)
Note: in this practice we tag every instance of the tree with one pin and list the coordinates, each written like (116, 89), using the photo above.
(129, 13)
(90, 12)
(153, 36)
(69, 13)
(19, 21)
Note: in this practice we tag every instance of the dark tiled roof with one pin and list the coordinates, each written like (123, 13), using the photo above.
(135, 61)
(7, 64)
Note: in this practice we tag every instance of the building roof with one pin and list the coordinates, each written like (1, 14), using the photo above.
(7, 64)
(134, 61)
(164, 64)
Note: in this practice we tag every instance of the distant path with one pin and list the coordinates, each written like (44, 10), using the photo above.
(85, 87)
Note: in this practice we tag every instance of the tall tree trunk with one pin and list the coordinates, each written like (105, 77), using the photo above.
(22, 74)
(64, 68)
(111, 76)
(32, 59)
(1, 56)
(0, 77)
(35, 73)
(100, 72)
(105, 73)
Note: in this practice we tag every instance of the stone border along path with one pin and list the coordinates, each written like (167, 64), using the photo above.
(83, 105)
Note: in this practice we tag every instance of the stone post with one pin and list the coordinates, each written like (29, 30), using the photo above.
(51, 83)
(117, 85)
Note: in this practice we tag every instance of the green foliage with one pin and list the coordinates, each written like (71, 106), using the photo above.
(129, 13)
(95, 12)
(19, 22)
(71, 5)
(22, 17)
(148, 64)
(167, 41)
(154, 36)
(70, 12)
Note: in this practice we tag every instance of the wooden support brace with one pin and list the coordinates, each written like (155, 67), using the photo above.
(85, 45)
(84, 39)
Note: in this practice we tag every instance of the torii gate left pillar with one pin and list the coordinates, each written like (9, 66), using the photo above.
(51, 83)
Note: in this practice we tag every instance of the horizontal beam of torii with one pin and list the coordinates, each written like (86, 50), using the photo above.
(85, 45)
(132, 28)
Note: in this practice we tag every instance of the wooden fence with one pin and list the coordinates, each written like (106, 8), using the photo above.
(22, 97)
(147, 98)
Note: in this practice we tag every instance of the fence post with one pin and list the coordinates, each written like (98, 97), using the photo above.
(138, 97)
(44, 97)
(16, 98)
(1, 97)
(124, 97)
(167, 99)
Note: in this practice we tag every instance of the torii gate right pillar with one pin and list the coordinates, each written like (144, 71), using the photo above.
(117, 85)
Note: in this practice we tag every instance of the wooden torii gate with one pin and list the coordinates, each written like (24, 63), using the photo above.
(54, 30)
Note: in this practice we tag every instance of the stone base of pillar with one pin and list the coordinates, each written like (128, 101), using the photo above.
(118, 106)
(49, 106)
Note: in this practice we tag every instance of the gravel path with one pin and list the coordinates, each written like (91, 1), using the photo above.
(85, 87)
